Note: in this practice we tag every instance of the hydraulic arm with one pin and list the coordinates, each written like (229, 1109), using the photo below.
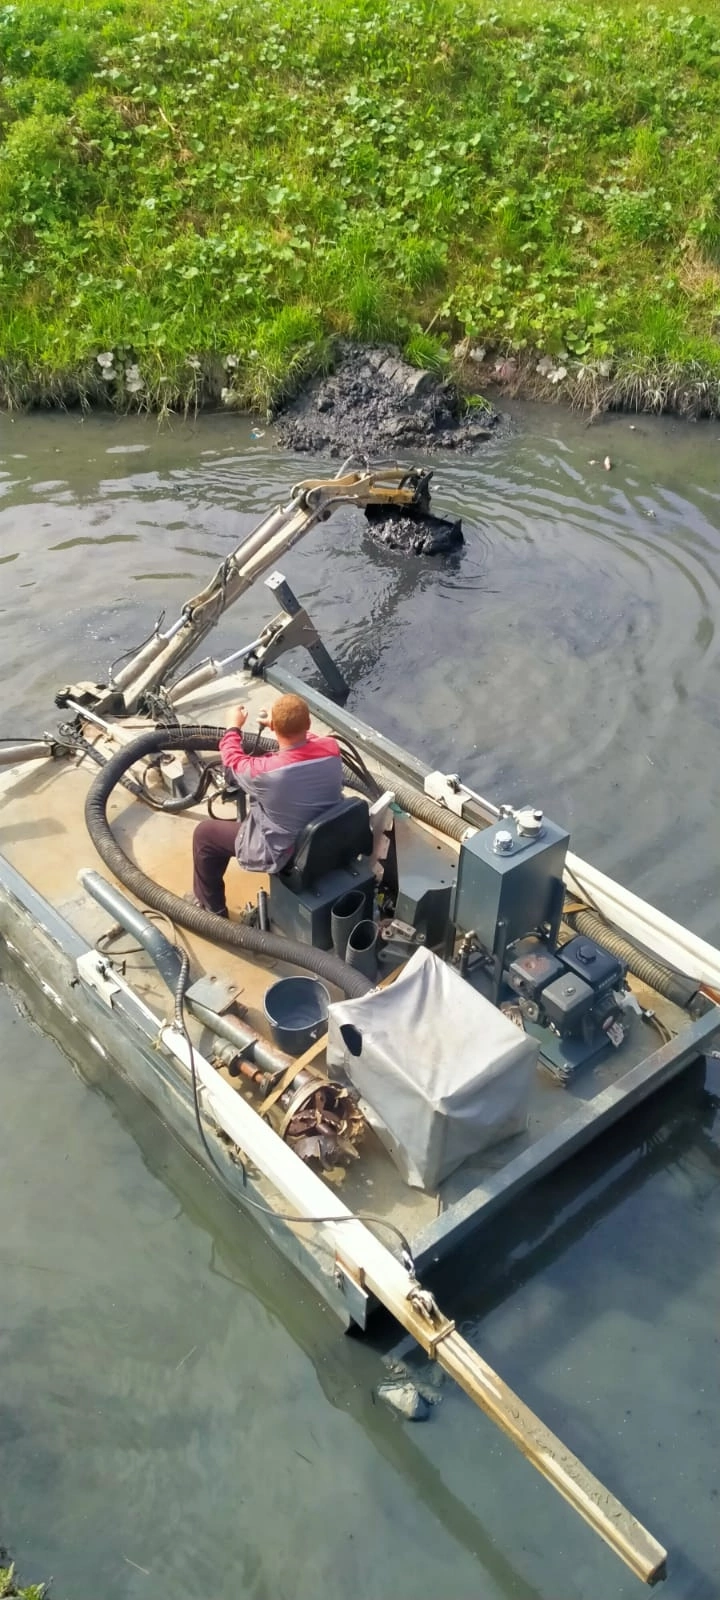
(312, 501)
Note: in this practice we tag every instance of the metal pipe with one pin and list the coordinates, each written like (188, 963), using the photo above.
(166, 956)
(206, 671)
(12, 754)
(92, 716)
(141, 658)
(247, 1042)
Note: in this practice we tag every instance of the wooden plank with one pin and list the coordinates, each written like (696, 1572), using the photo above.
(291, 1072)
(372, 1266)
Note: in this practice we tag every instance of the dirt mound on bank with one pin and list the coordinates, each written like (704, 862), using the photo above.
(375, 404)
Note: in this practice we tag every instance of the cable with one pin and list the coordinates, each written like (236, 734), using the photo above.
(258, 1205)
(654, 1021)
(134, 648)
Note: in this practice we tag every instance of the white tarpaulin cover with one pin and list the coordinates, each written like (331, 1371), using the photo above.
(443, 1070)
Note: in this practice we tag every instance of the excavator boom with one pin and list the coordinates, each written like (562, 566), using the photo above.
(312, 501)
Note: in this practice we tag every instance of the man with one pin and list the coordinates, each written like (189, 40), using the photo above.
(286, 790)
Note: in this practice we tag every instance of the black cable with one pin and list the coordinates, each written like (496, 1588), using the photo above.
(134, 648)
(258, 1205)
(22, 738)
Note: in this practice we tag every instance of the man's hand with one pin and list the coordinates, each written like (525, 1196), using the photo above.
(239, 718)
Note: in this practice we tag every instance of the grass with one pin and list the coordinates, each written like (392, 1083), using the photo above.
(205, 193)
(8, 1587)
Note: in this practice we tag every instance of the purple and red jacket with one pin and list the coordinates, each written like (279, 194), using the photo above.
(286, 790)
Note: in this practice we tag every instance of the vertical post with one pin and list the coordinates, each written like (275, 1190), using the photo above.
(280, 588)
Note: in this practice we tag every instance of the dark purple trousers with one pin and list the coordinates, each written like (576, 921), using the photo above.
(213, 848)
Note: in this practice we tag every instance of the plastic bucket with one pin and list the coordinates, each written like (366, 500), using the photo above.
(297, 1010)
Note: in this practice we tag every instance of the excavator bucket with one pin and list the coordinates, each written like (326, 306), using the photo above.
(414, 530)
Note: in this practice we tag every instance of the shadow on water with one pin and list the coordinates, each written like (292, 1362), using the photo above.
(533, 1233)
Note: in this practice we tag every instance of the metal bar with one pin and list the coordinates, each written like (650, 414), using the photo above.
(206, 671)
(445, 1232)
(280, 588)
(582, 1490)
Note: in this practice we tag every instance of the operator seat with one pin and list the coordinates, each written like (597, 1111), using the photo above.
(332, 856)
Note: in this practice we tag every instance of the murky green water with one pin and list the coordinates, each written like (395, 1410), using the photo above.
(178, 1414)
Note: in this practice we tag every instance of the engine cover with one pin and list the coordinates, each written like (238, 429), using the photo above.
(594, 965)
(529, 974)
(566, 1001)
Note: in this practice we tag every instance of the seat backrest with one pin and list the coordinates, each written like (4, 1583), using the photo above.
(334, 839)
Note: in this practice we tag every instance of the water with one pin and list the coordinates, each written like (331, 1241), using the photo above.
(179, 1415)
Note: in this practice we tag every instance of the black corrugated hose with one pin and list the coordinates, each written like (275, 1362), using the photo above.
(204, 923)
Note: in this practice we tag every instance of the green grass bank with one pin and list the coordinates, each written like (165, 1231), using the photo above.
(203, 193)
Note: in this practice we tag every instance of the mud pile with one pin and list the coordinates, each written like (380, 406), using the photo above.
(375, 404)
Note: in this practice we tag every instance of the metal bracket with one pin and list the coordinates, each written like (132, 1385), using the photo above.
(97, 973)
(354, 1293)
(291, 629)
(447, 790)
(216, 994)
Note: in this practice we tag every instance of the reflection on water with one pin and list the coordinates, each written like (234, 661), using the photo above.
(178, 1411)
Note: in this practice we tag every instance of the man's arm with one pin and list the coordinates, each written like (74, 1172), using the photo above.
(241, 765)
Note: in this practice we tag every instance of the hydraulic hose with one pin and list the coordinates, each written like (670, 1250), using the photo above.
(671, 984)
(236, 936)
(425, 810)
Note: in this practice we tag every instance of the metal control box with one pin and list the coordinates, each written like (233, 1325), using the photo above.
(509, 881)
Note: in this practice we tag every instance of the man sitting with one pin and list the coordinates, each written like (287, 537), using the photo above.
(286, 790)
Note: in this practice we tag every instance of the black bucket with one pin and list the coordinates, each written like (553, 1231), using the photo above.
(297, 1010)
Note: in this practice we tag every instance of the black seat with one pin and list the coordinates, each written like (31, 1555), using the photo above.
(334, 839)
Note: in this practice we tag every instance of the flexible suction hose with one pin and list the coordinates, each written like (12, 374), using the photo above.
(204, 923)
(672, 984)
(426, 810)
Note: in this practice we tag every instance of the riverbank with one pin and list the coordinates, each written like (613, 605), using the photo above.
(197, 201)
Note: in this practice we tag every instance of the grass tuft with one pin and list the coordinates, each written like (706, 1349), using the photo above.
(212, 192)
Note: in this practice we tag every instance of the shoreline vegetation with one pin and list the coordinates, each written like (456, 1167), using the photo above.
(197, 200)
(9, 1588)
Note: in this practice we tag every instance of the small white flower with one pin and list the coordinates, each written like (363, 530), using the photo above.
(135, 385)
(132, 372)
(231, 362)
(106, 359)
(193, 361)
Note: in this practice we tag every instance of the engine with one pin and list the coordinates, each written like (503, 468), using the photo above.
(508, 912)
(575, 992)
